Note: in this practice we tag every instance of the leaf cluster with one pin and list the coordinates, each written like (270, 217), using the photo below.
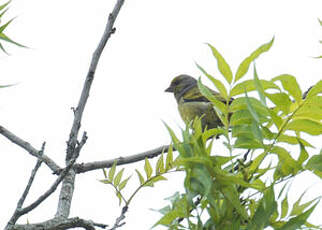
(3, 36)
(162, 167)
(265, 118)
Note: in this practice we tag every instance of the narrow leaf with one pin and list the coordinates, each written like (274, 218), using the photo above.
(298, 221)
(111, 172)
(222, 64)
(169, 159)
(290, 85)
(244, 66)
(259, 87)
(118, 177)
(140, 176)
(249, 86)
(123, 183)
(305, 125)
(218, 84)
(147, 168)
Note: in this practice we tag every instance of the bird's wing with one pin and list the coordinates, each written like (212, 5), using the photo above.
(194, 95)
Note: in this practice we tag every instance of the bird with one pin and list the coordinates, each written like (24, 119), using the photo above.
(192, 104)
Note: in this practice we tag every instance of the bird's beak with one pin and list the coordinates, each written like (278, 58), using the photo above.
(169, 89)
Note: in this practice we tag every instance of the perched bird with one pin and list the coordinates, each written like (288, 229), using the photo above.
(192, 104)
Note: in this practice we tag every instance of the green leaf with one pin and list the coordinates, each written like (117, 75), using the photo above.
(3, 49)
(284, 207)
(140, 176)
(241, 104)
(316, 89)
(303, 154)
(230, 193)
(105, 181)
(104, 172)
(4, 5)
(218, 84)
(111, 172)
(264, 211)
(160, 165)
(281, 100)
(241, 117)
(290, 85)
(174, 138)
(3, 27)
(169, 159)
(259, 87)
(118, 194)
(214, 100)
(222, 64)
(298, 221)
(299, 208)
(123, 183)
(247, 143)
(154, 179)
(305, 125)
(249, 86)
(256, 162)
(7, 39)
(147, 168)
(118, 177)
(292, 140)
(257, 132)
(315, 163)
(320, 21)
(251, 109)
(288, 164)
(244, 66)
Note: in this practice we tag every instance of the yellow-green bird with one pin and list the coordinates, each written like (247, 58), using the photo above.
(192, 104)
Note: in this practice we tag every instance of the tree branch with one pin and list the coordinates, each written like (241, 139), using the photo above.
(85, 167)
(67, 189)
(118, 222)
(29, 148)
(78, 112)
(21, 211)
(22, 199)
(61, 224)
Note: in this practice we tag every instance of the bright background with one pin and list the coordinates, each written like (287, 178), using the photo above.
(154, 41)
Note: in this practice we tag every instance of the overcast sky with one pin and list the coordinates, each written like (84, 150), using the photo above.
(154, 41)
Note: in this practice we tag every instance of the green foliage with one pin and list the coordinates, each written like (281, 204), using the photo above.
(3, 36)
(230, 191)
(114, 178)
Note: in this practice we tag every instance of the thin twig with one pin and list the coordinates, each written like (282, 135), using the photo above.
(30, 149)
(78, 111)
(67, 188)
(118, 220)
(21, 211)
(22, 199)
(62, 224)
(85, 167)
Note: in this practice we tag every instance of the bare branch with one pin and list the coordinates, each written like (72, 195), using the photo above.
(118, 220)
(85, 167)
(29, 148)
(61, 224)
(32, 177)
(19, 212)
(78, 112)
(22, 199)
(67, 189)
(66, 193)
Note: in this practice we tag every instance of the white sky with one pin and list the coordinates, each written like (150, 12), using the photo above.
(154, 41)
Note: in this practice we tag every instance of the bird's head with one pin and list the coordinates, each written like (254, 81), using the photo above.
(180, 85)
